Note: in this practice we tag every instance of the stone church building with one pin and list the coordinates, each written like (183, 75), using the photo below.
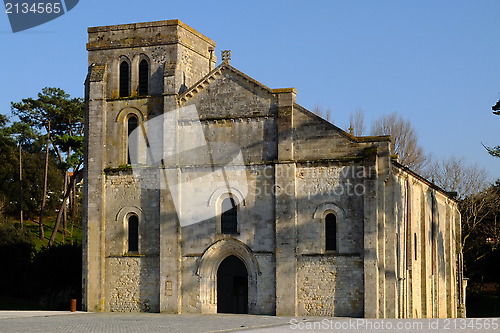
(207, 191)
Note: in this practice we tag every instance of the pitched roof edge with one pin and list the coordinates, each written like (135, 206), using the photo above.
(190, 92)
(428, 182)
(371, 138)
(200, 84)
(248, 78)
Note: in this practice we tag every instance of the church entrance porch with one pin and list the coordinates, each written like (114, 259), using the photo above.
(232, 286)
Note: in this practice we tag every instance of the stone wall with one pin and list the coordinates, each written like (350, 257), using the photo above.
(132, 280)
(330, 186)
(330, 283)
(255, 230)
(428, 224)
(330, 286)
(132, 284)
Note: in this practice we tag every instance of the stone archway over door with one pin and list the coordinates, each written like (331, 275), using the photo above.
(208, 270)
(232, 286)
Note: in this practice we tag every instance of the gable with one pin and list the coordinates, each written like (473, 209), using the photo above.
(226, 93)
(233, 108)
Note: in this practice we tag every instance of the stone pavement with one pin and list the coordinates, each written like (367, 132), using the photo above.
(79, 322)
(82, 322)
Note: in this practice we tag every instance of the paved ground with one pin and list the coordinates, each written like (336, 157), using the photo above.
(81, 322)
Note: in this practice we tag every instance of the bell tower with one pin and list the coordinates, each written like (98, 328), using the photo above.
(177, 55)
(136, 72)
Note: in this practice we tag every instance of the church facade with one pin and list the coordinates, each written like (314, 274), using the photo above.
(206, 192)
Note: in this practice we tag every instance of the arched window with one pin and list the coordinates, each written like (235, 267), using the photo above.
(229, 217)
(143, 78)
(330, 232)
(133, 233)
(131, 126)
(124, 79)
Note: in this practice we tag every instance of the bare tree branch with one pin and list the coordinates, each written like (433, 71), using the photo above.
(404, 140)
(455, 175)
(357, 122)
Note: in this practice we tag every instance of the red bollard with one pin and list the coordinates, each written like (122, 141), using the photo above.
(72, 305)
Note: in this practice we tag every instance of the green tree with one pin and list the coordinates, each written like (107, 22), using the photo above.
(3, 121)
(59, 118)
(27, 197)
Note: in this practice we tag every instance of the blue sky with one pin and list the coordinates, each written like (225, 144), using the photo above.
(435, 62)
